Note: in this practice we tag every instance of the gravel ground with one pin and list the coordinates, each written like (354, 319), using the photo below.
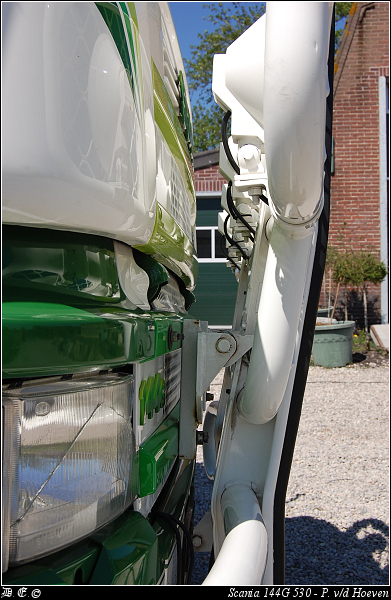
(337, 502)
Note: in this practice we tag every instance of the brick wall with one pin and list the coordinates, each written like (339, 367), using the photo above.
(362, 58)
(355, 186)
(208, 179)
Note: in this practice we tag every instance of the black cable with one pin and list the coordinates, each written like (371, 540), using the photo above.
(227, 256)
(173, 521)
(224, 138)
(235, 213)
(166, 517)
(231, 241)
(190, 542)
(264, 199)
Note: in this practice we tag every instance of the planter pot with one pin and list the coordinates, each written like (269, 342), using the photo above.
(325, 321)
(325, 312)
(332, 346)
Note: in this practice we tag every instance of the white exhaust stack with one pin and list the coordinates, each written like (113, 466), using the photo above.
(295, 92)
(274, 81)
(287, 100)
(277, 323)
(242, 558)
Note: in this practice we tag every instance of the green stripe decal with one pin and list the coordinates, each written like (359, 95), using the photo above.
(132, 13)
(185, 115)
(168, 123)
(112, 18)
(134, 47)
(170, 246)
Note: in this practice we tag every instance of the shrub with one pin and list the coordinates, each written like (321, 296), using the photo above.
(358, 268)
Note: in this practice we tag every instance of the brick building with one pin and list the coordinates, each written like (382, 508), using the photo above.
(207, 177)
(360, 180)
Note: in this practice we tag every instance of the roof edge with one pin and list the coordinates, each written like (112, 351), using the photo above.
(205, 159)
(356, 14)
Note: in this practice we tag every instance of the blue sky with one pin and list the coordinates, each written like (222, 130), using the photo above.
(188, 20)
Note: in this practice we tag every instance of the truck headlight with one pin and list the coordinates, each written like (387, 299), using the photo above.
(68, 447)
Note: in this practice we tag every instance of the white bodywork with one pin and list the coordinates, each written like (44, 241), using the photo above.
(98, 165)
(274, 81)
(102, 166)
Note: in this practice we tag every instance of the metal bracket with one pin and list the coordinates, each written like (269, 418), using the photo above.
(204, 354)
(203, 534)
(215, 351)
(191, 411)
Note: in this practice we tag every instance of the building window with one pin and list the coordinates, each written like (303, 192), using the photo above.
(208, 245)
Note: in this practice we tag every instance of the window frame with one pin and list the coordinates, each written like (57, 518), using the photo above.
(212, 259)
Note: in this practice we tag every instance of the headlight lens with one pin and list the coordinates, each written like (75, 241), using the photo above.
(67, 464)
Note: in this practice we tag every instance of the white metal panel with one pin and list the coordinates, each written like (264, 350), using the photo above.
(74, 139)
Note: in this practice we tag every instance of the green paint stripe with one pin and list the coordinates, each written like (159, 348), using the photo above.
(128, 25)
(170, 246)
(168, 123)
(133, 13)
(171, 129)
(113, 20)
(185, 115)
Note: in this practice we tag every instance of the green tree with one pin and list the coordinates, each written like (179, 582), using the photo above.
(228, 24)
(358, 268)
(364, 269)
(342, 10)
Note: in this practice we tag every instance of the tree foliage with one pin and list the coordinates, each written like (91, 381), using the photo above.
(358, 268)
(342, 10)
(228, 23)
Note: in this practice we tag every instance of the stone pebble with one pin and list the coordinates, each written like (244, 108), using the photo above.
(337, 501)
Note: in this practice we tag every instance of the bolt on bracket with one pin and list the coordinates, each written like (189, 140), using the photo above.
(216, 350)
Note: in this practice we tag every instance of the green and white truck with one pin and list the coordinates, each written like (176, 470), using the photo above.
(105, 371)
